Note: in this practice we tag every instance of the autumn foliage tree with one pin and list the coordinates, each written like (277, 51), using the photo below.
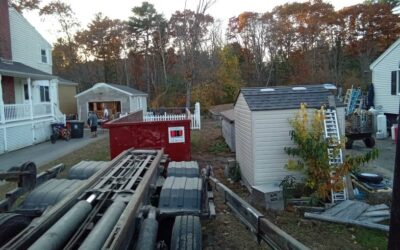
(311, 152)
(173, 59)
(103, 40)
(228, 75)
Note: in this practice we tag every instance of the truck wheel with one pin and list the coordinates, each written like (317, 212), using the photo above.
(349, 143)
(186, 233)
(11, 225)
(369, 142)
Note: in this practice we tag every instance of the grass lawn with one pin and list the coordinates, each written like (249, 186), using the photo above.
(96, 151)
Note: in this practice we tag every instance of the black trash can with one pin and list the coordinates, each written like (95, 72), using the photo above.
(76, 129)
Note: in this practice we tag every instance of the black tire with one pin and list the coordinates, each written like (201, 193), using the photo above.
(369, 177)
(369, 142)
(29, 181)
(349, 143)
(53, 138)
(186, 233)
(11, 225)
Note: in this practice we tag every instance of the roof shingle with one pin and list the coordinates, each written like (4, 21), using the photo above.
(16, 68)
(286, 97)
(127, 89)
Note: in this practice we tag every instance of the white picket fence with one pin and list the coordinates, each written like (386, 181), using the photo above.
(195, 123)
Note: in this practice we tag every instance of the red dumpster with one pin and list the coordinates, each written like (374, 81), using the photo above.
(173, 136)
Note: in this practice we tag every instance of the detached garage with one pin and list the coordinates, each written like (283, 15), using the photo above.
(262, 128)
(118, 99)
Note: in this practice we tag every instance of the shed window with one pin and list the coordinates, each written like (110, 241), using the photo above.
(44, 94)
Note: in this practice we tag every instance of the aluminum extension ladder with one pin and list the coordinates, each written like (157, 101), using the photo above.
(335, 158)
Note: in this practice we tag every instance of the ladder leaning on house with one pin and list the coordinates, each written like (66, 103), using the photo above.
(335, 158)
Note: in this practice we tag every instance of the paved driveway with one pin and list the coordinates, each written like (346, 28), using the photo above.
(384, 165)
(46, 152)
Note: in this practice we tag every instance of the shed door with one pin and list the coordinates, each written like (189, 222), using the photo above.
(113, 107)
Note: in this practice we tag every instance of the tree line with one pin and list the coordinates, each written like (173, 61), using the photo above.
(191, 57)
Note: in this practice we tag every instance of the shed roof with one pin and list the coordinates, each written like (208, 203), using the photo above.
(228, 114)
(127, 89)
(287, 97)
(17, 69)
(121, 88)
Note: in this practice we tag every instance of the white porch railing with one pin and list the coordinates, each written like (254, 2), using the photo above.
(42, 109)
(194, 118)
(60, 117)
(19, 112)
(16, 112)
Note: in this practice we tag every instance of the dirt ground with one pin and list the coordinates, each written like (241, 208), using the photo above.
(227, 232)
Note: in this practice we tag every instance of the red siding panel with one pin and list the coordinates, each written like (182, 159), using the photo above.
(5, 37)
(7, 83)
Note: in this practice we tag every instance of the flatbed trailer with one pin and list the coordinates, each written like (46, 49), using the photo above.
(139, 200)
(118, 208)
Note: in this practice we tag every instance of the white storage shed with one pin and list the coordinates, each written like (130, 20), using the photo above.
(262, 128)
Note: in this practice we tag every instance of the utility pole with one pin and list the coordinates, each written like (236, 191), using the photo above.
(394, 232)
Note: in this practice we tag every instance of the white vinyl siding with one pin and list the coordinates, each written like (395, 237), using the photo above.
(382, 78)
(271, 136)
(138, 103)
(19, 137)
(42, 131)
(24, 134)
(27, 43)
(244, 139)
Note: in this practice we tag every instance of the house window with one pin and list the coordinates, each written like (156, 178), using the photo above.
(139, 103)
(26, 92)
(395, 83)
(44, 94)
(44, 55)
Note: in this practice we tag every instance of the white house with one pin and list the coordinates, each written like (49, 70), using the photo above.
(262, 128)
(396, 10)
(28, 90)
(117, 98)
(386, 79)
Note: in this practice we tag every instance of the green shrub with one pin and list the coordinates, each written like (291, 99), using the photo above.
(219, 146)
